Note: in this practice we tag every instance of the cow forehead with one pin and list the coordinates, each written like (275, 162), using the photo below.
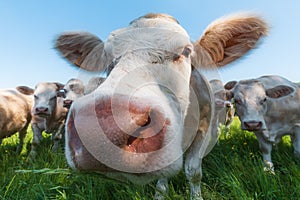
(147, 33)
(250, 90)
(45, 89)
(156, 15)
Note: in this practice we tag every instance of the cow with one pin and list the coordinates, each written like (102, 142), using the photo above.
(221, 100)
(269, 106)
(224, 110)
(48, 114)
(15, 113)
(75, 88)
(71, 91)
(140, 121)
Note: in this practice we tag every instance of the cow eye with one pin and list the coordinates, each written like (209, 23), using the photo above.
(187, 51)
(61, 93)
(35, 97)
(263, 101)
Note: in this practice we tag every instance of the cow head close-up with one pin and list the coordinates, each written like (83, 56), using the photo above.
(138, 114)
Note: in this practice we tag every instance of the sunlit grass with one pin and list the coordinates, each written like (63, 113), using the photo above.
(233, 170)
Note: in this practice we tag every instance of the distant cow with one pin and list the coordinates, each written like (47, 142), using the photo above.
(224, 108)
(269, 106)
(72, 90)
(138, 123)
(221, 101)
(75, 88)
(48, 114)
(15, 113)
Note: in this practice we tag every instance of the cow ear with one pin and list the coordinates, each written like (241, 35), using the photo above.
(25, 90)
(59, 85)
(228, 39)
(279, 91)
(82, 49)
(229, 85)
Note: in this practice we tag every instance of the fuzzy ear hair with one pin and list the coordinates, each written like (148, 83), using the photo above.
(229, 85)
(279, 91)
(82, 49)
(25, 90)
(228, 39)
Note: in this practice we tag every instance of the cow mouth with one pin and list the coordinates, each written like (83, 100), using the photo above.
(67, 105)
(42, 114)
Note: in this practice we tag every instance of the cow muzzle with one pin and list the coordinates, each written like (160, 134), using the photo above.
(120, 132)
(252, 125)
(134, 126)
(42, 111)
(67, 103)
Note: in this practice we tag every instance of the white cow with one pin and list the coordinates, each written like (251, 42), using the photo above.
(48, 114)
(72, 90)
(138, 123)
(269, 106)
(75, 89)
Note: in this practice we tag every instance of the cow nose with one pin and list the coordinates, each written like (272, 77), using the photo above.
(67, 103)
(41, 109)
(134, 126)
(228, 104)
(253, 125)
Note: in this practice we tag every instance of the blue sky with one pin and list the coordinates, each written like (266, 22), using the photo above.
(28, 29)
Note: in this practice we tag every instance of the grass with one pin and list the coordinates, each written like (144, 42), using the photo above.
(233, 170)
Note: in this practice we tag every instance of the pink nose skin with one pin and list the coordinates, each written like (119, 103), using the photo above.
(41, 110)
(67, 103)
(253, 125)
(228, 104)
(137, 128)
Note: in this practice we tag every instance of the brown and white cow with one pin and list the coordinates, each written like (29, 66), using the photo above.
(15, 113)
(138, 123)
(48, 114)
(270, 107)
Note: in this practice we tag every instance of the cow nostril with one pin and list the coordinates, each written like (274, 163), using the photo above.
(147, 122)
(253, 125)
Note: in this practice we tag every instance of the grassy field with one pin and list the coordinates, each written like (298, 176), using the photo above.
(233, 170)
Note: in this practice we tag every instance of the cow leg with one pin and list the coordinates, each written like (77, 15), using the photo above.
(22, 134)
(162, 189)
(266, 149)
(57, 136)
(296, 141)
(36, 140)
(193, 171)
